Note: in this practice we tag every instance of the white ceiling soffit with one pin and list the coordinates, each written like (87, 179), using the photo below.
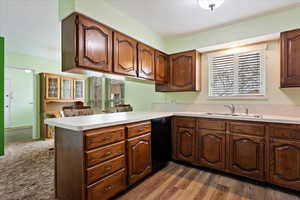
(177, 17)
(239, 43)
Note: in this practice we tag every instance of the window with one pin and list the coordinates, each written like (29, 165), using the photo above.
(237, 73)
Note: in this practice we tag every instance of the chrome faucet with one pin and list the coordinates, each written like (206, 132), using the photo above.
(231, 107)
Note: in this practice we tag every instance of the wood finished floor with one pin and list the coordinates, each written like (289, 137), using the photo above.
(180, 182)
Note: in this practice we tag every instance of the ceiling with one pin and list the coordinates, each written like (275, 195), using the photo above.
(31, 27)
(176, 17)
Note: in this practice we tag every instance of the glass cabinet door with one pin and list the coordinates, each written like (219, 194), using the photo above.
(52, 87)
(66, 88)
(79, 89)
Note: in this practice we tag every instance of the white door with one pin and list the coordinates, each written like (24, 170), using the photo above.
(7, 103)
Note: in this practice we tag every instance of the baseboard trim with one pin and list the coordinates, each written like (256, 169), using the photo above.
(17, 128)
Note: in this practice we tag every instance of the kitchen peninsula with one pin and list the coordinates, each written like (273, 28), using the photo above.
(98, 156)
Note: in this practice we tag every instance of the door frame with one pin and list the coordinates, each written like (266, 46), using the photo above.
(35, 98)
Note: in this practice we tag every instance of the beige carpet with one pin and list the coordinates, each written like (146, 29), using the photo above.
(27, 170)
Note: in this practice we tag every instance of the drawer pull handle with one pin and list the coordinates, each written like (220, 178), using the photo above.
(107, 138)
(107, 153)
(141, 129)
(108, 188)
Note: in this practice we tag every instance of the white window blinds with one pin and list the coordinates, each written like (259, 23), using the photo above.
(237, 74)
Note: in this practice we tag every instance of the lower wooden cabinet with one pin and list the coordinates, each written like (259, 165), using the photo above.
(139, 158)
(107, 187)
(211, 148)
(185, 144)
(246, 155)
(285, 163)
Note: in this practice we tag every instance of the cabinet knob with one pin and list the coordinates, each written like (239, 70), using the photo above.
(108, 188)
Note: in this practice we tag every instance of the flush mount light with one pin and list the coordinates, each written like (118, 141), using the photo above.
(210, 4)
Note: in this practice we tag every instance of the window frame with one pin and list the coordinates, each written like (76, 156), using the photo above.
(261, 48)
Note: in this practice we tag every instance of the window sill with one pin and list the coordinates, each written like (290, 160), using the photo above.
(239, 98)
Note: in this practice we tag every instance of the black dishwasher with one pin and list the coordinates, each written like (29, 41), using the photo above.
(161, 142)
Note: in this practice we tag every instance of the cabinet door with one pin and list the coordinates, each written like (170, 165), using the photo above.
(52, 87)
(182, 71)
(146, 57)
(125, 55)
(139, 158)
(94, 45)
(211, 148)
(185, 144)
(66, 88)
(161, 67)
(79, 89)
(246, 155)
(290, 59)
(285, 163)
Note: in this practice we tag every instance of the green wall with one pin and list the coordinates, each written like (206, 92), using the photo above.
(1, 95)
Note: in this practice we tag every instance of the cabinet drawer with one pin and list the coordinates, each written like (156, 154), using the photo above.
(284, 132)
(212, 124)
(99, 171)
(185, 122)
(108, 187)
(104, 153)
(101, 137)
(247, 128)
(138, 129)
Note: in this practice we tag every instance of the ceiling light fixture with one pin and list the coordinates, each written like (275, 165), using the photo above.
(210, 4)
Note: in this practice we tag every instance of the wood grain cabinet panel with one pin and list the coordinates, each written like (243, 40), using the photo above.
(86, 44)
(139, 158)
(290, 59)
(108, 187)
(100, 137)
(213, 124)
(104, 169)
(137, 129)
(161, 67)
(94, 45)
(211, 148)
(185, 144)
(146, 61)
(99, 155)
(285, 163)
(125, 55)
(246, 156)
(184, 72)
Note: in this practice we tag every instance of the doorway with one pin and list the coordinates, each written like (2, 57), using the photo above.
(20, 111)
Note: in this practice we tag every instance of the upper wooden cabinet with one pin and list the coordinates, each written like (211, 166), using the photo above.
(86, 44)
(290, 59)
(184, 73)
(146, 61)
(161, 67)
(66, 88)
(125, 55)
(52, 89)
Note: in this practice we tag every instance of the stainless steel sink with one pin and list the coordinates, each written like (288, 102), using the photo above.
(236, 115)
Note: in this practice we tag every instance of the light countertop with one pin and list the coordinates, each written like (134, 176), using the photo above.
(83, 123)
